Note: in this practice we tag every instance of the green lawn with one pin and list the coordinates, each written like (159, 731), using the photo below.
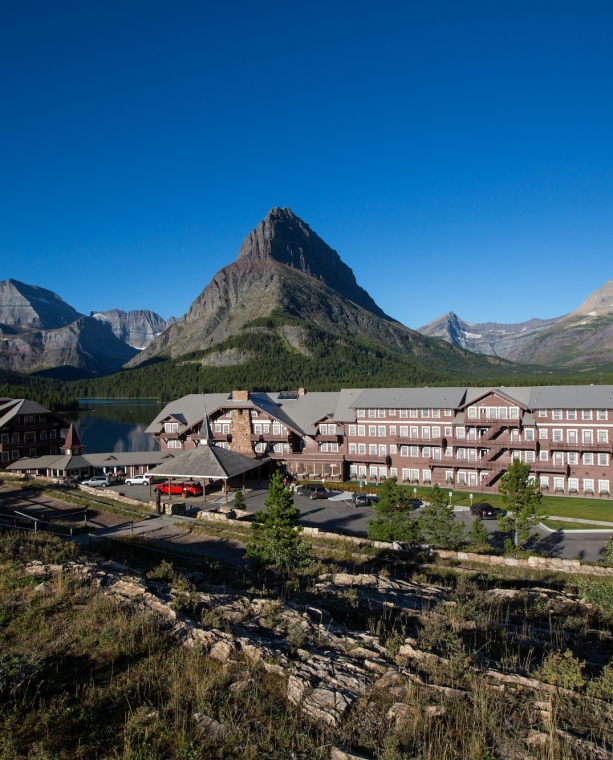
(559, 525)
(560, 506)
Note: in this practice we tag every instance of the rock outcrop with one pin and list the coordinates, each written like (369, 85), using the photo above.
(136, 328)
(28, 306)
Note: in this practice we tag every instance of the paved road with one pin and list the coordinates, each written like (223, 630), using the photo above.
(338, 515)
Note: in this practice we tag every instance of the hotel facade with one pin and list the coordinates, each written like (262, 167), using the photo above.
(463, 438)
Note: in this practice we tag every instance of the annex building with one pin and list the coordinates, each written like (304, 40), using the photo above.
(461, 437)
(28, 429)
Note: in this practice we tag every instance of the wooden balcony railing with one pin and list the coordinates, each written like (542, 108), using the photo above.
(404, 441)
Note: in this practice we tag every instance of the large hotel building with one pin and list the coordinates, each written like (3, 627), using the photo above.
(460, 437)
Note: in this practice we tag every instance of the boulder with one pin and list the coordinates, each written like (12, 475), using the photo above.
(211, 726)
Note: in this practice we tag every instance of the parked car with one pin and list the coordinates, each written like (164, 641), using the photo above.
(177, 488)
(97, 481)
(415, 503)
(484, 510)
(313, 492)
(193, 489)
(138, 480)
(363, 500)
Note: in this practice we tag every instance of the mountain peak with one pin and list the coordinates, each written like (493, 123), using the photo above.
(284, 237)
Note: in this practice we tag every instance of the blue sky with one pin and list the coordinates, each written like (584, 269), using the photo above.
(458, 155)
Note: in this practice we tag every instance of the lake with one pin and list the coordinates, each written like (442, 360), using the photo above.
(114, 425)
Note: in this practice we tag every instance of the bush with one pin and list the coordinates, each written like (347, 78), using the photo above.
(602, 687)
(396, 528)
(478, 536)
(239, 500)
(562, 669)
(597, 591)
(438, 523)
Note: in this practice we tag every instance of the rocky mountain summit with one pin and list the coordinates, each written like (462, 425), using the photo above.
(583, 337)
(28, 306)
(284, 269)
(136, 328)
(494, 338)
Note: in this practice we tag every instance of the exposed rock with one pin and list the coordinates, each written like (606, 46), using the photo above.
(537, 738)
(222, 651)
(228, 358)
(43, 588)
(336, 753)
(298, 689)
(400, 711)
(239, 686)
(136, 328)
(211, 726)
(30, 307)
(435, 711)
(327, 705)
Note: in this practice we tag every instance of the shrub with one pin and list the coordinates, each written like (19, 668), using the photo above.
(561, 669)
(438, 523)
(478, 536)
(239, 500)
(602, 687)
(597, 591)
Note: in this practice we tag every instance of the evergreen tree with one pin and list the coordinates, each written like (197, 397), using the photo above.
(239, 500)
(522, 497)
(395, 521)
(276, 534)
(478, 535)
(438, 523)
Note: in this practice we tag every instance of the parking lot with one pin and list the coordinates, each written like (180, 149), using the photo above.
(338, 515)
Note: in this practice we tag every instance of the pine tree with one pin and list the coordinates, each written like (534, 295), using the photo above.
(478, 535)
(239, 500)
(438, 522)
(395, 521)
(522, 497)
(276, 534)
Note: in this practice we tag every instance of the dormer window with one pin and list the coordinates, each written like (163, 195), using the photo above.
(171, 427)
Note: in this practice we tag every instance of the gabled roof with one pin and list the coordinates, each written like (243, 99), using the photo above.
(572, 397)
(15, 406)
(409, 398)
(510, 394)
(207, 462)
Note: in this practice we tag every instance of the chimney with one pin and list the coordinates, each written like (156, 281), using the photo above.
(301, 391)
(240, 395)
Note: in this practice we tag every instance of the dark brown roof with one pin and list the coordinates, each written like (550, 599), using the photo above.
(207, 462)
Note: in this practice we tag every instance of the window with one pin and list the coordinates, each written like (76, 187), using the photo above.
(571, 436)
(372, 449)
(361, 448)
(171, 427)
(382, 451)
(392, 429)
(448, 451)
(436, 432)
(15, 454)
(460, 432)
(462, 478)
(15, 437)
(413, 413)
(571, 414)
(32, 452)
(323, 447)
(393, 472)
(362, 430)
(558, 458)
(218, 427)
(492, 412)
(449, 476)
(557, 435)
(586, 414)
(53, 434)
(41, 418)
(436, 453)
(353, 449)
(543, 413)
(374, 473)
(266, 427)
(353, 471)
(372, 412)
(603, 486)
(514, 412)
(257, 428)
(573, 484)
(53, 450)
(427, 476)
(448, 431)
(353, 430)
(29, 437)
(425, 413)
(503, 412)
(414, 451)
(588, 436)
(460, 453)
(406, 474)
(603, 436)
(393, 449)
(5, 456)
(543, 434)
(603, 460)
(544, 481)
(602, 414)
(556, 414)
(414, 432)
(254, 412)
(472, 412)
(226, 429)
(361, 413)
(436, 413)
(323, 429)
(425, 432)
(43, 435)
(404, 451)
(382, 473)
(572, 457)
(529, 434)
(529, 456)
(391, 412)
(558, 484)
(404, 431)
(588, 458)
(404, 413)
(425, 452)
(276, 428)
(260, 448)
(381, 412)
(334, 447)
(372, 430)
(448, 413)
(588, 485)
(5, 438)
(382, 432)
(362, 471)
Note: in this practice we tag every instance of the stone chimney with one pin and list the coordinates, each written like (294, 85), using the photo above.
(240, 395)
(241, 430)
(301, 391)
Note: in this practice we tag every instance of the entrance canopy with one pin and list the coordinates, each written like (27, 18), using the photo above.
(210, 462)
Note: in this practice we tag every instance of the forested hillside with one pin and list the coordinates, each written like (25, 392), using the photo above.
(54, 394)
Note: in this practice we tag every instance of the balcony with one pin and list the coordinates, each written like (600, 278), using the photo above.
(559, 469)
(329, 438)
(404, 441)
(221, 436)
(482, 422)
(577, 446)
(269, 437)
(368, 459)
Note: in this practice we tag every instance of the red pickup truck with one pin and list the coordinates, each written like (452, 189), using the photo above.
(192, 489)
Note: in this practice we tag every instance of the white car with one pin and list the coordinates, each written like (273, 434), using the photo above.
(97, 481)
(138, 480)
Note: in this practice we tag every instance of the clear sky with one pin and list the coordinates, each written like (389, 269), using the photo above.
(458, 155)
